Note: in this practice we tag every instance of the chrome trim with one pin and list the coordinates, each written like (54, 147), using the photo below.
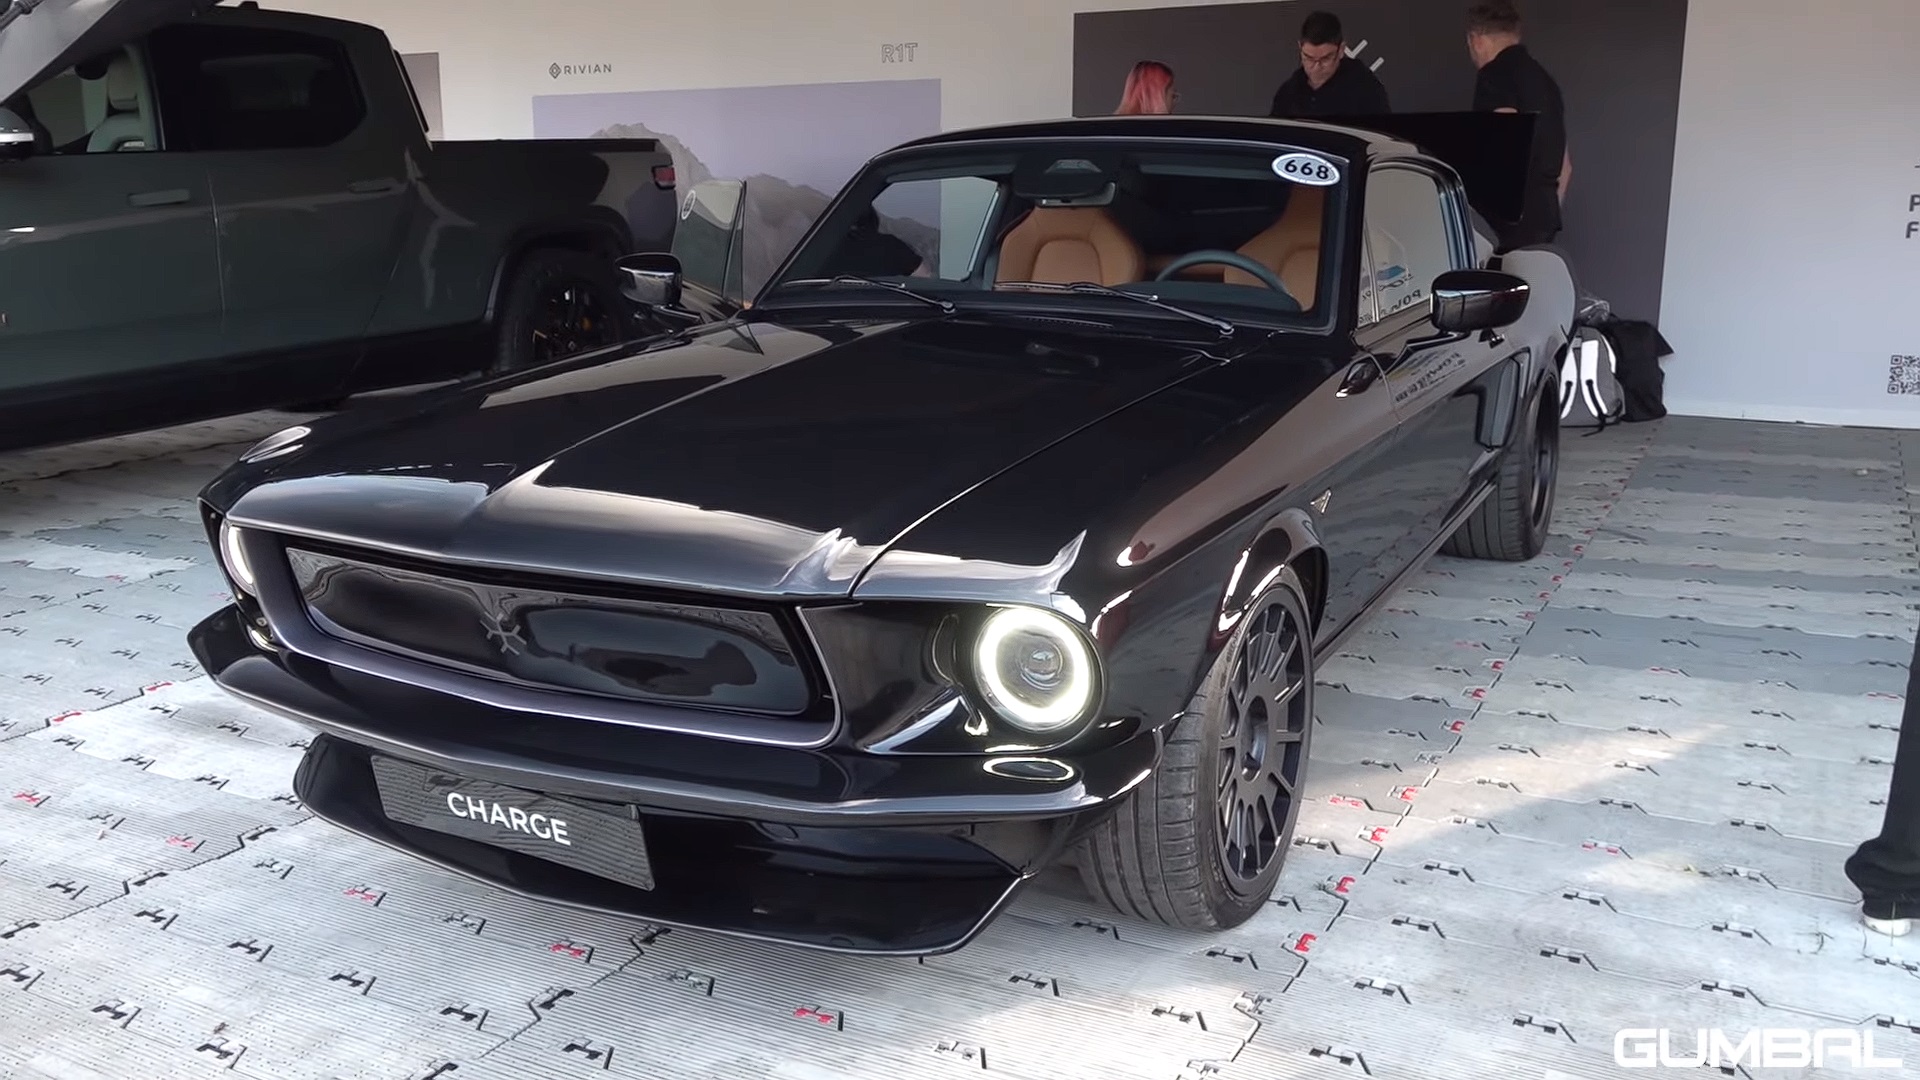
(279, 599)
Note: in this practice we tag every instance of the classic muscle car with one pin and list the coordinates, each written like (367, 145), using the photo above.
(1003, 529)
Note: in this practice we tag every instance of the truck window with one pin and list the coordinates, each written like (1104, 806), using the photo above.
(239, 88)
(101, 106)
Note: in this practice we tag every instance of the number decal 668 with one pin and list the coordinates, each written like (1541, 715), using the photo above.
(1302, 168)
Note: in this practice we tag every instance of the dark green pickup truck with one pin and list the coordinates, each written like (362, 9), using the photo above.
(209, 209)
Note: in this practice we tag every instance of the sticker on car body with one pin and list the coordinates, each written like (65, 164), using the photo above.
(1303, 168)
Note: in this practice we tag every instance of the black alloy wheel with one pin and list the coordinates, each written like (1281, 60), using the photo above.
(558, 303)
(1263, 717)
(573, 318)
(1202, 842)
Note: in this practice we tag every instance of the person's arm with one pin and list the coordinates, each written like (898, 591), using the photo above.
(1566, 172)
(1377, 96)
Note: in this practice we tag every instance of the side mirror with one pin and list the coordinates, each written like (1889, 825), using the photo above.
(1468, 300)
(651, 279)
(17, 139)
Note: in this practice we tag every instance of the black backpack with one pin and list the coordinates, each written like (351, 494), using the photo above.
(1638, 348)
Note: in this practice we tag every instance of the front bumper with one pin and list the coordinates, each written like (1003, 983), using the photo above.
(832, 848)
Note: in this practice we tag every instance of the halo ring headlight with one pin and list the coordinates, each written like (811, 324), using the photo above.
(1035, 669)
(234, 555)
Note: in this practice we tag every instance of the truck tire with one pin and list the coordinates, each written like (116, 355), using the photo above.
(557, 303)
(1201, 842)
(1512, 524)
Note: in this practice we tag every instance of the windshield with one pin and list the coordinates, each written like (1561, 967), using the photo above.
(1231, 232)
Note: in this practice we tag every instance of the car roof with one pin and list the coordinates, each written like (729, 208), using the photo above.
(1352, 143)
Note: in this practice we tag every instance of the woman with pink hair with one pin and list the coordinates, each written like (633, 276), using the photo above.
(1149, 89)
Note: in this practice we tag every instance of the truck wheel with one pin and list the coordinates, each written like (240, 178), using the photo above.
(1200, 843)
(1512, 524)
(557, 304)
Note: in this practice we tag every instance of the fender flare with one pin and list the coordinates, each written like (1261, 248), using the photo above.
(1287, 540)
(597, 227)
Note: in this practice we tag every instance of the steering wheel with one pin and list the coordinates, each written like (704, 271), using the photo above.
(1225, 258)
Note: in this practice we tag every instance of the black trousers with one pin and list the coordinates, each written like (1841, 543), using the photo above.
(1886, 869)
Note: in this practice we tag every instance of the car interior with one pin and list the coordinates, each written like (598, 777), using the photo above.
(1116, 221)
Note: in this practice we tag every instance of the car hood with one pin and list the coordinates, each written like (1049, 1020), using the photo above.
(41, 37)
(756, 459)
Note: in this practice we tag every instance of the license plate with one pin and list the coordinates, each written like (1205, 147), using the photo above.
(558, 830)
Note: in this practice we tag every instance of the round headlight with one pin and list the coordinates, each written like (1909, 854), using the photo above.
(235, 558)
(1035, 670)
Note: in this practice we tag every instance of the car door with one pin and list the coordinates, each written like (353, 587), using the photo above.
(1437, 382)
(109, 273)
(311, 189)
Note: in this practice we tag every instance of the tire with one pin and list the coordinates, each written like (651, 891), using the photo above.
(1163, 854)
(1513, 523)
(537, 325)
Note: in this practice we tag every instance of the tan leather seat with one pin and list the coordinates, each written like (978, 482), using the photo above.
(1064, 244)
(1290, 247)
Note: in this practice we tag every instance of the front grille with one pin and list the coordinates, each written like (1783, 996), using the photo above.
(668, 653)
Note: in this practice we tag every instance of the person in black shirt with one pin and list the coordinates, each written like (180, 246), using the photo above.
(1511, 80)
(1328, 83)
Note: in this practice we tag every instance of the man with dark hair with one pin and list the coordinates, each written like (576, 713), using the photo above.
(1328, 83)
(1512, 81)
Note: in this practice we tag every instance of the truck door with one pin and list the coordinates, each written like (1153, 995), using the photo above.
(311, 186)
(108, 266)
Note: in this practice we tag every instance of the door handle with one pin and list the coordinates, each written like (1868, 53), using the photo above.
(173, 197)
(375, 186)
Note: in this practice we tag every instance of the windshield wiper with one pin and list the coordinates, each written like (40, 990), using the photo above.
(1226, 328)
(855, 279)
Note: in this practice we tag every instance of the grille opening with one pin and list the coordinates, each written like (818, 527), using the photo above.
(570, 636)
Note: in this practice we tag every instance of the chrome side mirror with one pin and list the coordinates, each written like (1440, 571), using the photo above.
(651, 279)
(1469, 300)
(17, 139)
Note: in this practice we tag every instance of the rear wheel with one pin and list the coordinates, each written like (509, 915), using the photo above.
(559, 303)
(1201, 842)
(1512, 524)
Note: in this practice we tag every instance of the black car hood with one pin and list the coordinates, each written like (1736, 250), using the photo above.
(763, 460)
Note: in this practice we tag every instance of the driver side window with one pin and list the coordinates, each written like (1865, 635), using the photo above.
(99, 106)
(1408, 237)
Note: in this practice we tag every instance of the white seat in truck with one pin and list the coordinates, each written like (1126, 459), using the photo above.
(128, 124)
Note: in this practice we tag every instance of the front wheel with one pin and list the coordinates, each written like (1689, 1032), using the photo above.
(1200, 843)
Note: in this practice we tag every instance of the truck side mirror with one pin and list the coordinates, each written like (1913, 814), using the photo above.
(17, 138)
(651, 279)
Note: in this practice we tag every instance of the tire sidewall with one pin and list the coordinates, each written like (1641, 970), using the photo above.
(1233, 903)
(1543, 426)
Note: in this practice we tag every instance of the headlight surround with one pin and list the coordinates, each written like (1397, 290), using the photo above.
(1035, 669)
(233, 556)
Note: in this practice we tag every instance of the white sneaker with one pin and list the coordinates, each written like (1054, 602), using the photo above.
(1889, 927)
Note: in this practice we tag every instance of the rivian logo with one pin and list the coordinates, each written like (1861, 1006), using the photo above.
(557, 69)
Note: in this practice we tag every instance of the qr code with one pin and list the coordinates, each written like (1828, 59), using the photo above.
(1903, 375)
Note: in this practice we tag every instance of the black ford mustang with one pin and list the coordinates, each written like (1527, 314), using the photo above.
(1002, 528)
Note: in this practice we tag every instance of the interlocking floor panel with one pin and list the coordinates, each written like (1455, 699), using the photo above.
(1608, 788)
